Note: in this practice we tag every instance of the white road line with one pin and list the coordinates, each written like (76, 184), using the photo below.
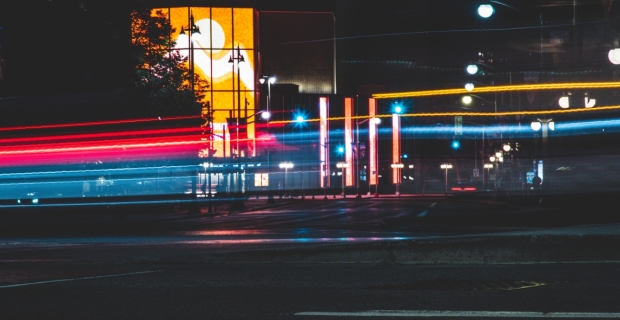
(423, 213)
(432, 204)
(73, 279)
(465, 314)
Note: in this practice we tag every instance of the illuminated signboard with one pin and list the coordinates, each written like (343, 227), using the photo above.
(232, 89)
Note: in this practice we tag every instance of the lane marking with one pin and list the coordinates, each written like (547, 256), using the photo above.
(432, 204)
(422, 214)
(74, 279)
(465, 314)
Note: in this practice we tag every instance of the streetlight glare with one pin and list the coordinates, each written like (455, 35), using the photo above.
(485, 10)
(469, 86)
(340, 150)
(266, 115)
(376, 120)
(300, 119)
(536, 125)
(398, 109)
(466, 100)
(272, 80)
(472, 69)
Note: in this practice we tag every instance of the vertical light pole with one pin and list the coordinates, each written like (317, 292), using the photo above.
(266, 116)
(487, 166)
(545, 124)
(286, 166)
(191, 29)
(398, 167)
(343, 166)
(496, 159)
(239, 58)
(446, 166)
(357, 157)
(300, 122)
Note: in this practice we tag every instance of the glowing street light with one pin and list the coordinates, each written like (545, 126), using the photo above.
(398, 167)
(466, 100)
(342, 165)
(469, 86)
(446, 166)
(472, 69)
(485, 10)
(266, 115)
(546, 125)
(285, 166)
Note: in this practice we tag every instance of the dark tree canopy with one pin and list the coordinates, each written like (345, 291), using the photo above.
(162, 74)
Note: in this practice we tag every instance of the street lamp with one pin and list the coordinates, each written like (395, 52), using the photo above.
(485, 10)
(488, 166)
(285, 166)
(343, 166)
(398, 167)
(446, 166)
(300, 121)
(545, 124)
(191, 29)
(266, 115)
(239, 58)
(496, 159)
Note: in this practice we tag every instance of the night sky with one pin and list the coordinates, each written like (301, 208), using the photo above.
(53, 46)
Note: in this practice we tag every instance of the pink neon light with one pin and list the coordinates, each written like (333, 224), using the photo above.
(373, 142)
(324, 141)
(396, 177)
(348, 139)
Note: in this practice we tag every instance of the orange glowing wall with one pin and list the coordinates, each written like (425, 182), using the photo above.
(373, 141)
(324, 140)
(348, 140)
(396, 177)
(232, 85)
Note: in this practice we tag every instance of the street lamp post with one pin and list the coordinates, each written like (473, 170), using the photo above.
(545, 124)
(446, 166)
(357, 151)
(487, 166)
(191, 29)
(285, 166)
(266, 116)
(208, 184)
(398, 167)
(497, 158)
(300, 121)
(343, 166)
(238, 58)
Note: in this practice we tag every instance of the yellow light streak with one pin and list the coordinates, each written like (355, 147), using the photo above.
(507, 88)
(472, 114)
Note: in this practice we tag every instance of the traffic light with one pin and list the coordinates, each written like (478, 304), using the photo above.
(456, 144)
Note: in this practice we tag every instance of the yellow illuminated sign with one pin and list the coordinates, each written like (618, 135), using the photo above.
(223, 33)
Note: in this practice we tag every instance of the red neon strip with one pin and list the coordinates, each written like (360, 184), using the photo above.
(102, 135)
(97, 123)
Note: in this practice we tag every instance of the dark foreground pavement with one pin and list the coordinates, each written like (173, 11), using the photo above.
(535, 272)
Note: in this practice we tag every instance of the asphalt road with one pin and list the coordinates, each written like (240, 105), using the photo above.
(306, 291)
(176, 265)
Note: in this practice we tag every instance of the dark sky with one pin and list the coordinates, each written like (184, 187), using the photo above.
(52, 45)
